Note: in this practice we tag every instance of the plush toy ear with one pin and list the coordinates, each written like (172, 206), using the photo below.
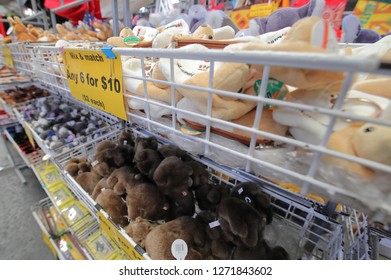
(323, 36)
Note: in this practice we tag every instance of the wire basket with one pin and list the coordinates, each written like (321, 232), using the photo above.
(196, 124)
(308, 234)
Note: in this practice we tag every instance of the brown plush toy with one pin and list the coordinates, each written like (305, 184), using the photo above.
(20, 31)
(107, 160)
(159, 241)
(200, 175)
(172, 174)
(114, 205)
(219, 247)
(252, 194)
(208, 196)
(88, 181)
(240, 222)
(173, 150)
(123, 179)
(102, 185)
(139, 229)
(146, 156)
(147, 202)
(76, 166)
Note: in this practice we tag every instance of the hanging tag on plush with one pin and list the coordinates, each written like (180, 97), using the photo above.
(323, 36)
(179, 249)
(89, 19)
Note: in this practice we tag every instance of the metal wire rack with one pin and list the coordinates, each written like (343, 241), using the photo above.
(302, 163)
(308, 165)
(312, 234)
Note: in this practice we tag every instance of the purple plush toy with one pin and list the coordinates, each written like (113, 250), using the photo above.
(353, 33)
(282, 18)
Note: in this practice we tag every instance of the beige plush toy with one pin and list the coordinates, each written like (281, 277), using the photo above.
(368, 141)
(20, 31)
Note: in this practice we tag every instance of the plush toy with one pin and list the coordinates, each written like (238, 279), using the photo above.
(353, 33)
(146, 157)
(198, 16)
(147, 202)
(368, 141)
(252, 194)
(173, 150)
(123, 179)
(219, 248)
(76, 166)
(20, 31)
(126, 138)
(208, 196)
(114, 206)
(139, 229)
(171, 175)
(88, 181)
(240, 221)
(102, 185)
(107, 160)
(200, 175)
(159, 241)
(285, 17)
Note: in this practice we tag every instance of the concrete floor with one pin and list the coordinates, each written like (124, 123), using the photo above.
(20, 236)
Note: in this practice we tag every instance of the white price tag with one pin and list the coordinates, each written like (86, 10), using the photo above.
(179, 249)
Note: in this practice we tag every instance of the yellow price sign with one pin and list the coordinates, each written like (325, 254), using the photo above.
(114, 234)
(9, 60)
(96, 80)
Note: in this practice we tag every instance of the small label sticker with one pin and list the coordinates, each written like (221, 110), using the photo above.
(179, 249)
(275, 90)
(240, 190)
(214, 224)
(95, 162)
(132, 40)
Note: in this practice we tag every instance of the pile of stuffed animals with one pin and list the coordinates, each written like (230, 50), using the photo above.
(368, 96)
(60, 124)
(66, 31)
(159, 194)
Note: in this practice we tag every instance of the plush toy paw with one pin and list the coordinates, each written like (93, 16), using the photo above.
(114, 205)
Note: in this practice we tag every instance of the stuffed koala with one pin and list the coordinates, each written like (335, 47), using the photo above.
(123, 179)
(102, 185)
(240, 221)
(208, 196)
(126, 138)
(159, 240)
(219, 248)
(173, 150)
(88, 181)
(200, 175)
(77, 166)
(146, 156)
(172, 174)
(252, 194)
(114, 205)
(107, 160)
(139, 229)
(147, 202)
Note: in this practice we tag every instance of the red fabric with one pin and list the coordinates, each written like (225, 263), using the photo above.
(76, 13)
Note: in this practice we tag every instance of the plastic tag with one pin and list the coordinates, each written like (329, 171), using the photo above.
(247, 199)
(323, 36)
(95, 162)
(179, 249)
(240, 190)
(275, 90)
(214, 224)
